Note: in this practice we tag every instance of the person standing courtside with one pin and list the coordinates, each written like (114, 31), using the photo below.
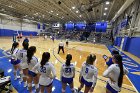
(61, 47)
(115, 74)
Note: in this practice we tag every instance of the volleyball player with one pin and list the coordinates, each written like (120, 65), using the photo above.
(32, 61)
(14, 57)
(61, 47)
(115, 75)
(23, 65)
(26, 40)
(45, 69)
(67, 42)
(109, 60)
(88, 74)
(67, 74)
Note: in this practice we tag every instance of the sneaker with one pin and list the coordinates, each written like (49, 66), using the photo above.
(27, 88)
(18, 76)
(25, 85)
(15, 78)
(20, 81)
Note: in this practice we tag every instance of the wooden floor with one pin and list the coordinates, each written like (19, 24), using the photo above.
(79, 51)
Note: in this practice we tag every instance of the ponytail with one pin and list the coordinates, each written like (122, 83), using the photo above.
(14, 45)
(90, 59)
(30, 53)
(45, 58)
(25, 45)
(68, 59)
(118, 59)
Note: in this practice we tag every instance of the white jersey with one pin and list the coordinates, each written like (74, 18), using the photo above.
(32, 63)
(46, 73)
(22, 56)
(12, 56)
(61, 44)
(89, 73)
(114, 71)
(68, 71)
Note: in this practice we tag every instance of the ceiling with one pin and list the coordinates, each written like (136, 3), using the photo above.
(61, 10)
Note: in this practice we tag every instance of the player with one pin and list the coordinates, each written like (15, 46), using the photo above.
(88, 74)
(26, 40)
(23, 65)
(20, 36)
(67, 74)
(45, 37)
(115, 74)
(45, 69)
(61, 47)
(67, 42)
(32, 61)
(53, 38)
(14, 57)
(109, 60)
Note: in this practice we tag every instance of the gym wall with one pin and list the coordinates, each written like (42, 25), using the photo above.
(8, 26)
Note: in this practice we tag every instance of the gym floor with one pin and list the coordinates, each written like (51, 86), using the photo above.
(79, 51)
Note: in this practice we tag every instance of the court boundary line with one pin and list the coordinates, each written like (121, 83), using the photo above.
(79, 71)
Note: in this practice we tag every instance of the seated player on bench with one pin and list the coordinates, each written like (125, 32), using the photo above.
(5, 82)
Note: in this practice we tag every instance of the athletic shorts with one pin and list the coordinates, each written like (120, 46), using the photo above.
(33, 74)
(46, 85)
(45, 81)
(23, 65)
(15, 62)
(67, 80)
(86, 83)
(111, 89)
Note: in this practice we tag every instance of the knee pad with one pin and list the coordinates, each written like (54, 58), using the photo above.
(21, 72)
(72, 89)
(63, 90)
(22, 75)
(29, 84)
(36, 86)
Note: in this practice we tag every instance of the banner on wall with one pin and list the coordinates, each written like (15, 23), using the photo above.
(44, 26)
(101, 26)
(80, 26)
(38, 26)
(124, 23)
(69, 26)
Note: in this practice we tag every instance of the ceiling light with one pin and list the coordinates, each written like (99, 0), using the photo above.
(11, 6)
(107, 2)
(104, 13)
(77, 11)
(80, 15)
(73, 7)
(24, 0)
(56, 14)
(106, 8)
(51, 11)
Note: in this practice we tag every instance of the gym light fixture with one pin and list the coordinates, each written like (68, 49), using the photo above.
(107, 2)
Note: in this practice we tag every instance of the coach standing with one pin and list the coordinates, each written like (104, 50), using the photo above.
(61, 47)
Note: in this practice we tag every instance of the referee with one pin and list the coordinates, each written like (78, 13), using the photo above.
(61, 47)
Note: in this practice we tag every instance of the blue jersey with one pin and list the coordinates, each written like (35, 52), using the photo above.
(26, 40)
